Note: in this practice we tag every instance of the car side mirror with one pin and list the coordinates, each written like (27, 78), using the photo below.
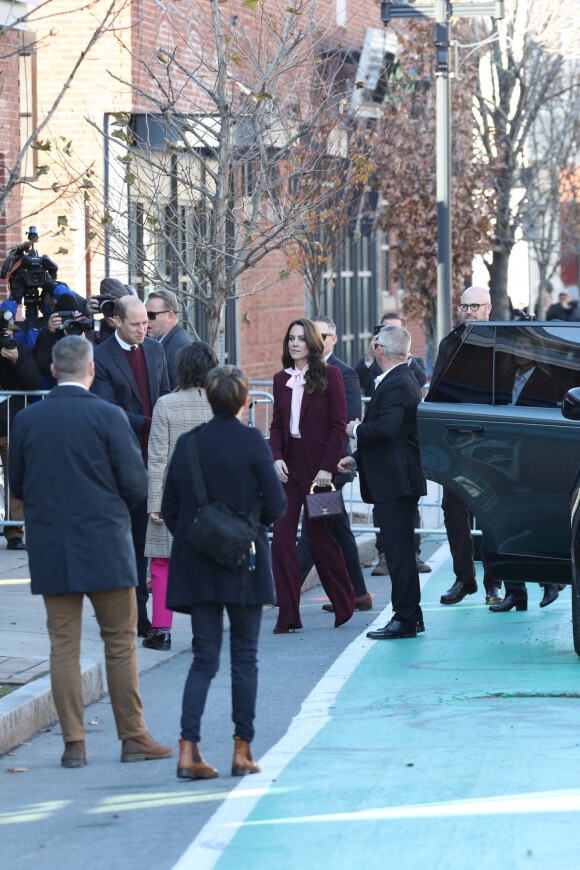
(571, 404)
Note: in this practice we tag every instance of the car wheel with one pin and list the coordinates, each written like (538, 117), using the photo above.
(576, 619)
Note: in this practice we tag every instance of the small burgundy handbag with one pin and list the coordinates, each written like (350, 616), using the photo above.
(322, 505)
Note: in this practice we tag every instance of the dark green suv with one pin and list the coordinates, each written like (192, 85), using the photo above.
(491, 430)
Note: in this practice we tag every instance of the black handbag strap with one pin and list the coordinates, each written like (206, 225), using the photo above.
(199, 490)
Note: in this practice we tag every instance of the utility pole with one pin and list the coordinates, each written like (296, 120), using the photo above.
(442, 11)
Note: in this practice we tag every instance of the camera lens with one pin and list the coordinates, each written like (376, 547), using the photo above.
(107, 307)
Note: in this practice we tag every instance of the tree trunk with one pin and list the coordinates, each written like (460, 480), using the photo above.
(498, 282)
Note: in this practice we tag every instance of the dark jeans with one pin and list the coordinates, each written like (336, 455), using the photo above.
(207, 621)
(139, 532)
(342, 534)
(395, 519)
(417, 538)
(458, 526)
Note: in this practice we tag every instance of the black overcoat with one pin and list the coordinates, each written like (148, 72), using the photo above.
(237, 465)
(76, 464)
(387, 454)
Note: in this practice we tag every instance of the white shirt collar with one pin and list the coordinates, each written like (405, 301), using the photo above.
(124, 344)
(382, 376)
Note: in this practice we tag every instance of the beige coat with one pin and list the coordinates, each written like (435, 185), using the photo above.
(173, 415)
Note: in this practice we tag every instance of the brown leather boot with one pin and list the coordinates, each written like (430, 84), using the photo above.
(191, 764)
(74, 754)
(243, 762)
(144, 748)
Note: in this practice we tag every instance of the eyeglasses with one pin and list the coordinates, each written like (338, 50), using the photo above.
(151, 315)
(378, 344)
(326, 335)
(474, 306)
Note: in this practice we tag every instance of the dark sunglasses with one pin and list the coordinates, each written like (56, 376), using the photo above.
(151, 315)
(326, 335)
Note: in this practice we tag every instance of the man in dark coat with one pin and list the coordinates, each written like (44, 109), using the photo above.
(78, 530)
(163, 313)
(391, 478)
(368, 371)
(341, 530)
(475, 305)
(130, 371)
(18, 371)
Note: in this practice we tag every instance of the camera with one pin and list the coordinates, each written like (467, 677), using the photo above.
(6, 322)
(28, 273)
(71, 326)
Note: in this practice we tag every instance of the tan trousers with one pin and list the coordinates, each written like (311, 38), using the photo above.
(15, 512)
(116, 612)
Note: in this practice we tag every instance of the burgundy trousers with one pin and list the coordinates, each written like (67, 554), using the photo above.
(327, 555)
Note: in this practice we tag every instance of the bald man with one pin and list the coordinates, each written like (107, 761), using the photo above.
(475, 305)
(131, 372)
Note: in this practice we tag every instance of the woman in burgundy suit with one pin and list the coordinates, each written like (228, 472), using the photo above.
(307, 441)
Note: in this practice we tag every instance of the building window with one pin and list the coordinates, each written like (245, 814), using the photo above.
(27, 76)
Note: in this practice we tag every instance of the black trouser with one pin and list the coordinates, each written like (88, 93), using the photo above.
(139, 532)
(417, 538)
(396, 521)
(342, 534)
(207, 620)
(458, 526)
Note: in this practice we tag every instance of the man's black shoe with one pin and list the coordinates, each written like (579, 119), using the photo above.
(420, 625)
(15, 544)
(394, 629)
(143, 627)
(160, 640)
(550, 594)
(493, 595)
(458, 592)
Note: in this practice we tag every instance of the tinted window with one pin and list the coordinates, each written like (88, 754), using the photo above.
(524, 365)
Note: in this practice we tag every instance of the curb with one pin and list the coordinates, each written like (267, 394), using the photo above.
(31, 708)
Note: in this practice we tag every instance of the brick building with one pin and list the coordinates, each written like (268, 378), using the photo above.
(71, 227)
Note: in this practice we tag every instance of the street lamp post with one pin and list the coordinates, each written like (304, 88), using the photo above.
(441, 11)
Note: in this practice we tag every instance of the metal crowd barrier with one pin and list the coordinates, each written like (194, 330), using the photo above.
(260, 416)
(5, 397)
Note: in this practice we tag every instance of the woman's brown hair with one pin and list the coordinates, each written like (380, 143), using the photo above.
(315, 380)
(226, 388)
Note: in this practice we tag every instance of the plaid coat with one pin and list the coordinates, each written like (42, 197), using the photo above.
(173, 415)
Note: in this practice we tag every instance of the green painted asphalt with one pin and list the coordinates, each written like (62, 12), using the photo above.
(460, 749)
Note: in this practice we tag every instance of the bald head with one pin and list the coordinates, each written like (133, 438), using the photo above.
(475, 296)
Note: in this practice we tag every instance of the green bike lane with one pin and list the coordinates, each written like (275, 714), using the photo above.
(458, 749)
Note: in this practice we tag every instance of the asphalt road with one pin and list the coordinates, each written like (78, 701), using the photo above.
(118, 816)
(457, 750)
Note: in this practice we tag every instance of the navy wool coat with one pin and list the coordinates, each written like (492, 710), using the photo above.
(237, 465)
(76, 464)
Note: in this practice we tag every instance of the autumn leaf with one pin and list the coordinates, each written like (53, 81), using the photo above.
(62, 220)
(39, 145)
(236, 59)
(251, 4)
(246, 318)
(42, 170)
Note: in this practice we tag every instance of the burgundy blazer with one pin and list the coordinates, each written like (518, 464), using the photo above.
(322, 422)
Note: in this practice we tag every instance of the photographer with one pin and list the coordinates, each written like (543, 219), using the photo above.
(66, 319)
(104, 303)
(18, 371)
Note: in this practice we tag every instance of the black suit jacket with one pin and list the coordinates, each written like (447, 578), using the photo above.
(77, 501)
(114, 381)
(367, 374)
(176, 338)
(237, 466)
(353, 406)
(387, 452)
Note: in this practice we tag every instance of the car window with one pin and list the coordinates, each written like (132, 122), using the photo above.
(468, 377)
(525, 365)
(535, 366)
